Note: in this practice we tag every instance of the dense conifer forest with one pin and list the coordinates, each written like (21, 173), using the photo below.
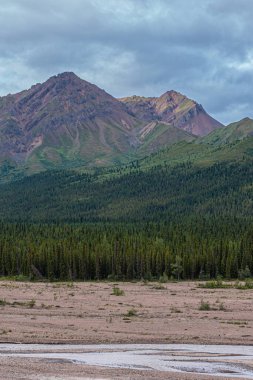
(183, 222)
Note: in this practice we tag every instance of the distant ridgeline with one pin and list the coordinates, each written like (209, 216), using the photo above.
(125, 189)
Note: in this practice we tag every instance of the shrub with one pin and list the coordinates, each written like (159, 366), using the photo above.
(131, 313)
(204, 306)
(117, 291)
(244, 273)
(164, 278)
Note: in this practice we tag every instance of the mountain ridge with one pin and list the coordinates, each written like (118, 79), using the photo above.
(174, 108)
(236, 131)
(56, 113)
(67, 121)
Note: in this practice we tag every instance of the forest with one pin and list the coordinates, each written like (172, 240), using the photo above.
(182, 222)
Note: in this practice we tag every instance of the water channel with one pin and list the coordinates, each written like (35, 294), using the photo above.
(216, 360)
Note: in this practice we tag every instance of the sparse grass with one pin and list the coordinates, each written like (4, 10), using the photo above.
(175, 310)
(131, 313)
(222, 307)
(110, 320)
(19, 277)
(29, 304)
(219, 284)
(248, 284)
(239, 323)
(204, 306)
(164, 278)
(3, 332)
(117, 291)
(215, 284)
(47, 307)
(159, 287)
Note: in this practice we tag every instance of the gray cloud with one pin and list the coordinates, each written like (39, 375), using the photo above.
(203, 48)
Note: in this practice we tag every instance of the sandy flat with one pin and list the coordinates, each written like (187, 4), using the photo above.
(89, 313)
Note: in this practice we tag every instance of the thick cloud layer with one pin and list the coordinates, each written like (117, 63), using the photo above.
(202, 48)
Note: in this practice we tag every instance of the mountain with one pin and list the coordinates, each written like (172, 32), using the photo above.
(62, 119)
(233, 143)
(67, 122)
(187, 179)
(175, 109)
(230, 134)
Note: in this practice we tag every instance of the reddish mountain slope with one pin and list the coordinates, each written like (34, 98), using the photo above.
(65, 111)
(174, 108)
(67, 121)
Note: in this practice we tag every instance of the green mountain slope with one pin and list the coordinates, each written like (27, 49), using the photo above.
(230, 134)
(156, 135)
(160, 193)
(183, 180)
(231, 143)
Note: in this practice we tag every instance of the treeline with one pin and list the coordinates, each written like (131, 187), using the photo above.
(200, 248)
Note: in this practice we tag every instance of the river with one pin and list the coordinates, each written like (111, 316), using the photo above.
(215, 360)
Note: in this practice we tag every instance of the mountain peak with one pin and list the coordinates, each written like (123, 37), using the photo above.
(172, 93)
(174, 108)
(175, 96)
(66, 75)
(246, 119)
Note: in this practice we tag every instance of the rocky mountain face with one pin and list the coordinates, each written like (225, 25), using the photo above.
(67, 121)
(173, 108)
(56, 113)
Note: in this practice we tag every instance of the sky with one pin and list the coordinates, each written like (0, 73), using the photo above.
(201, 48)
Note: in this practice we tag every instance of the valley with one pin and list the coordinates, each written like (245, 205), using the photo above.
(122, 221)
(126, 190)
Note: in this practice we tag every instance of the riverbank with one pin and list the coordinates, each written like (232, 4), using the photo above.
(144, 313)
(92, 313)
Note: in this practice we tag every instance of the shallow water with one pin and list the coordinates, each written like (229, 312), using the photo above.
(215, 360)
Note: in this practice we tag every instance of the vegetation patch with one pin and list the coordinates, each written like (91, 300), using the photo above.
(131, 313)
(29, 304)
(117, 292)
(215, 284)
(204, 306)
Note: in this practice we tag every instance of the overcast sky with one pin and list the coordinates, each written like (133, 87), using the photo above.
(202, 48)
